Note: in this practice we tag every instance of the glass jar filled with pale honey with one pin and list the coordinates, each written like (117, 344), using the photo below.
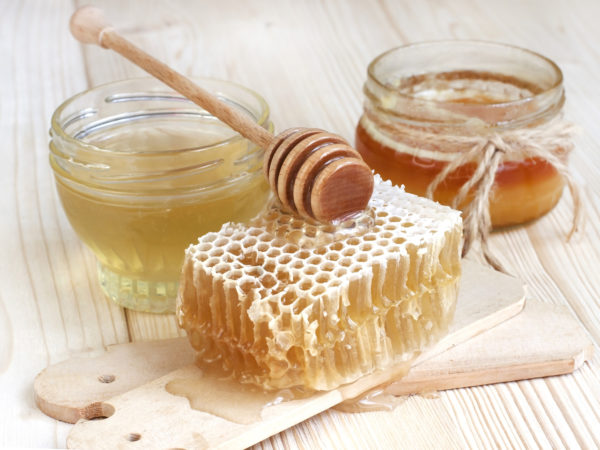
(426, 103)
(142, 172)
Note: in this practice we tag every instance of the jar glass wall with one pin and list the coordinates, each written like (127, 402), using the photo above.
(142, 172)
(461, 89)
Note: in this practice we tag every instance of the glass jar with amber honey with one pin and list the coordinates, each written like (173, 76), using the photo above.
(427, 104)
(142, 173)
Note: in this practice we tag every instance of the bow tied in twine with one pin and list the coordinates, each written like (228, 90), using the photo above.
(551, 142)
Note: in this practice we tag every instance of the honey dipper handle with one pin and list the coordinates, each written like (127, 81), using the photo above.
(89, 26)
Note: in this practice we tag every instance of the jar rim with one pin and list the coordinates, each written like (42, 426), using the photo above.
(488, 44)
(57, 128)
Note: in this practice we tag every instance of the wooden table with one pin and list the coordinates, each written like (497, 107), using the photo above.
(308, 59)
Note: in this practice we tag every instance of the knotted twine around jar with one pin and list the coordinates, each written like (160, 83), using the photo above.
(551, 142)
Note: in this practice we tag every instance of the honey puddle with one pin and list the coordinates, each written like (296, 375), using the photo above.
(379, 400)
(376, 399)
(431, 395)
(226, 398)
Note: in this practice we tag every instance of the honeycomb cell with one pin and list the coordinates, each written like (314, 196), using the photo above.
(337, 246)
(310, 270)
(249, 242)
(289, 248)
(353, 241)
(238, 236)
(234, 248)
(346, 262)
(221, 242)
(212, 261)
(362, 257)
(327, 266)
(306, 285)
(333, 256)
(322, 278)
(205, 247)
(350, 251)
(222, 268)
(235, 274)
(315, 260)
(340, 272)
(284, 259)
(217, 252)
(268, 281)
(273, 253)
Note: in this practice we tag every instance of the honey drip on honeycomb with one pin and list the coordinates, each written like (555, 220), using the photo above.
(280, 302)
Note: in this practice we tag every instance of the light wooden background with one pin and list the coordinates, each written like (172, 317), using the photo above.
(308, 59)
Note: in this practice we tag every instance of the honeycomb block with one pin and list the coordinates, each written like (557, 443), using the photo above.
(280, 302)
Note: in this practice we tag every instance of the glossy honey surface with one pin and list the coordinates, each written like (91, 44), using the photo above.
(138, 226)
(464, 104)
(524, 190)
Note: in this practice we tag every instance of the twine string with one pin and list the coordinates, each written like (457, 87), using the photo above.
(551, 142)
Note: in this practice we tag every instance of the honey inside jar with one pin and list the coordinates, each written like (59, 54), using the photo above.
(469, 89)
(145, 175)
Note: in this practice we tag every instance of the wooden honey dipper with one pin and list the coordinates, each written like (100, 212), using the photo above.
(314, 173)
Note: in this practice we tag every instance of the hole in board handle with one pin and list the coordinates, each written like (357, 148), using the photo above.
(98, 411)
(132, 437)
(106, 378)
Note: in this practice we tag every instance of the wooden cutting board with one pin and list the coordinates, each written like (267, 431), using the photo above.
(72, 389)
(143, 413)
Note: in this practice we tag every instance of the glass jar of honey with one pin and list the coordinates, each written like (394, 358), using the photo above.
(426, 103)
(142, 173)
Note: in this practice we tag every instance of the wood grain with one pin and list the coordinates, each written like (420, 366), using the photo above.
(542, 340)
(308, 59)
(74, 388)
(162, 420)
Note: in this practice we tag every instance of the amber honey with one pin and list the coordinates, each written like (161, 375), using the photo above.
(469, 89)
(524, 189)
(142, 174)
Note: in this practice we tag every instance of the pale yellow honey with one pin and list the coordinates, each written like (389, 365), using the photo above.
(139, 220)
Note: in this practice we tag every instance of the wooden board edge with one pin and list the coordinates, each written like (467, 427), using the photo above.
(480, 326)
(517, 372)
(54, 411)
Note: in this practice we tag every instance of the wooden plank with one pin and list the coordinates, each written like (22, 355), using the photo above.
(51, 306)
(70, 390)
(73, 389)
(541, 341)
(228, 420)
